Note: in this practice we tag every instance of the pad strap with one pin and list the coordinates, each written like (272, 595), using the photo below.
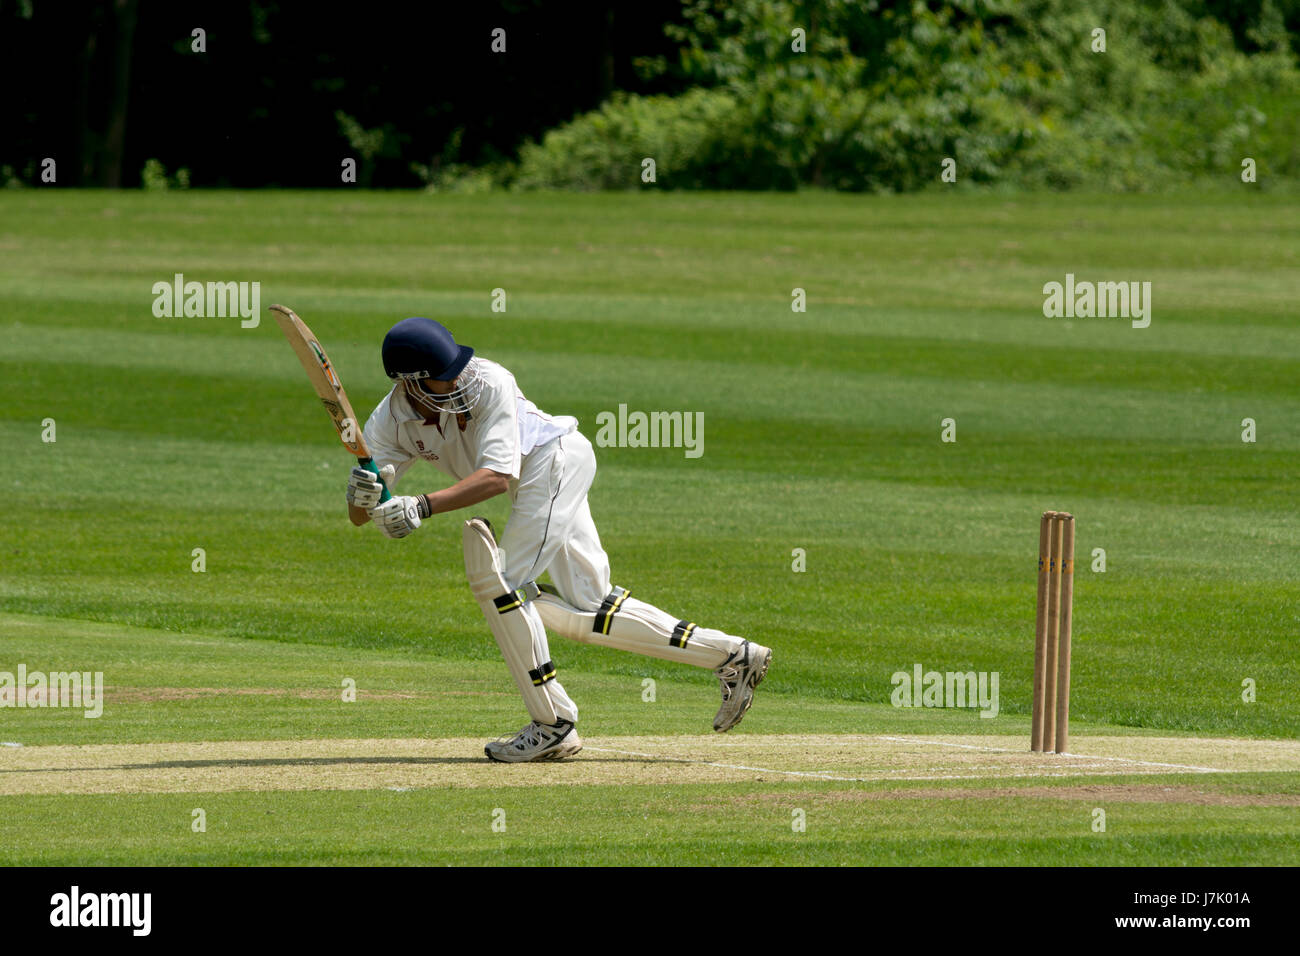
(517, 598)
(681, 633)
(543, 674)
(608, 608)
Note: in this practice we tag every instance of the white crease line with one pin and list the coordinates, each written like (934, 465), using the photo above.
(992, 770)
(826, 774)
(1006, 750)
(991, 778)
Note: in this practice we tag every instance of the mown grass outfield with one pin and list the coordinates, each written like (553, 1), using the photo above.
(822, 432)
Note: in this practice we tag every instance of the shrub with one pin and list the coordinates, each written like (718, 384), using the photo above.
(1011, 89)
(693, 139)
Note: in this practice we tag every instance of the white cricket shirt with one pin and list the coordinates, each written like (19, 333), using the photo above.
(502, 429)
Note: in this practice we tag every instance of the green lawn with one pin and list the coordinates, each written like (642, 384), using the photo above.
(671, 826)
(162, 688)
(822, 432)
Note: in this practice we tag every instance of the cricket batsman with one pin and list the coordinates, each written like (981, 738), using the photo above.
(465, 415)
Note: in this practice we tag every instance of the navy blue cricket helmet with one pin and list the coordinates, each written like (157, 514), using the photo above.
(416, 349)
(423, 348)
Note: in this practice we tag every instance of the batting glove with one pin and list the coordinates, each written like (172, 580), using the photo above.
(400, 515)
(363, 490)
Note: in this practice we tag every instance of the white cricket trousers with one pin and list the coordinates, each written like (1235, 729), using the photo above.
(550, 526)
(550, 529)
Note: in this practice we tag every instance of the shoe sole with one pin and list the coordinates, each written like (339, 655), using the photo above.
(563, 754)
(749, 698)
(558, 753)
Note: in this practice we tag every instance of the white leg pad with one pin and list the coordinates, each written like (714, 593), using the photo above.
(517, 627)
(627, 624)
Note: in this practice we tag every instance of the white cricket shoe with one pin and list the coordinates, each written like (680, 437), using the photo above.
(536, 742)
(739, 674)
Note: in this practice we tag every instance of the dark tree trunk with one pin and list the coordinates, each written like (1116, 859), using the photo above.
(607, 54)
(115, 136)
(87, 143)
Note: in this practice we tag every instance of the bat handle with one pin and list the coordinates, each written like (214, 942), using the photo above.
(369, 465)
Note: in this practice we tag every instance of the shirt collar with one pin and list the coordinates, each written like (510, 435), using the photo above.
(402, 409)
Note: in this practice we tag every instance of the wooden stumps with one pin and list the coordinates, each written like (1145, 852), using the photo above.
(1051, 706)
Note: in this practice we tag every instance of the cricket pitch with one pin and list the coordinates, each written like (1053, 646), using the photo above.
(207, 767)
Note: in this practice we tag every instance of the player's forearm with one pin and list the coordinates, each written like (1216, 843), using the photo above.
(470, 490)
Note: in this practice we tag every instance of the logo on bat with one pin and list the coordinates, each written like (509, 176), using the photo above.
(325, 365)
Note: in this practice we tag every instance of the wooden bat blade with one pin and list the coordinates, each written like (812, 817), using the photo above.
(323, 379)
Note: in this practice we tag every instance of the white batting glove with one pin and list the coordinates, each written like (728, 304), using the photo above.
(400, 515)
(363, 490)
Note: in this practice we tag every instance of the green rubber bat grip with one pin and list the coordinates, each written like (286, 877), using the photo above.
(369, 465)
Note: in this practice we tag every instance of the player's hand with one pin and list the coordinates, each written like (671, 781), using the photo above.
(363, 490)
(400, 515)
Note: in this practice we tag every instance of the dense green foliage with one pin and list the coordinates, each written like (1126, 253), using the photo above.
(1017, 92)
(283, 93)
(690, 135)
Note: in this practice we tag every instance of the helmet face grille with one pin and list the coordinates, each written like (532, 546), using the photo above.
(460, 400)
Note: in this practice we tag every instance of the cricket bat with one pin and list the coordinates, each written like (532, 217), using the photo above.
(328, 387)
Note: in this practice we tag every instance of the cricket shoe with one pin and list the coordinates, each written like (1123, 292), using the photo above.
(536, 742)
(739, 674)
